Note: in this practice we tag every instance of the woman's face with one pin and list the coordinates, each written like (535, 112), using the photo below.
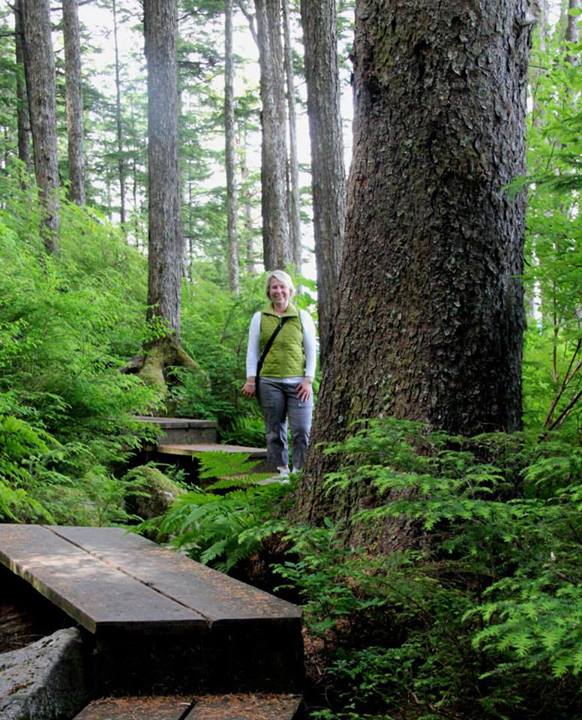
(279, 293)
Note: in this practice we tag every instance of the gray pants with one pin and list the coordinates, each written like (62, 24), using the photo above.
(279, 401)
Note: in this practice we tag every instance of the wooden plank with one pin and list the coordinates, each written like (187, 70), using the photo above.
(212, 594)
(246, 707)
(190, 449)
(159, 619)
(91, 591)
(166, 422)
(136, 708)
(243, 706)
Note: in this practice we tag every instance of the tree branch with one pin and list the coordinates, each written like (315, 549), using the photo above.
(250, 18)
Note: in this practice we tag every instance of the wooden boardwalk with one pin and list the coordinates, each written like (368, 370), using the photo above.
(182, 439)
(159, 623)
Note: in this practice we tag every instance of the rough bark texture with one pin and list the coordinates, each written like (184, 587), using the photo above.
(40, 82)
(230, 147)
(121, 170)
(294, 202)
(74, 101)
(430, 312)
(276, 248)
(23, 120)
(327, 162)
(165, 253)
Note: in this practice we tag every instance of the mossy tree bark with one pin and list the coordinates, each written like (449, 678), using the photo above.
(41, 86)
(430, 314)
(23, 120)
(165, 242)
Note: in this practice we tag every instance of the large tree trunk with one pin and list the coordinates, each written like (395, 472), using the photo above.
(230, 151)
(74, 101)
(294, 202)
(164, 234)
(274, 146)
(165, 240)
(327, 161)
(23, 120)
(121, 169)
(430, 311)
(40, 82)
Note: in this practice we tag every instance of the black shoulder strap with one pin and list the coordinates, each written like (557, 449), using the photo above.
(270, 342)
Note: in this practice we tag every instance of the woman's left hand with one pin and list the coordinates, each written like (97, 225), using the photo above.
(304, 390)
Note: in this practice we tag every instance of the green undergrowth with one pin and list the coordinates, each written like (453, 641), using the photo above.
(68, 323)
(225, 520)
(479, 618)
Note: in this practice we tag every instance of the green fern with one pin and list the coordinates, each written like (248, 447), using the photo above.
(227, 521)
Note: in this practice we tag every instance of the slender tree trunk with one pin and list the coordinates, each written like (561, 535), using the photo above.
(6, 148)
(276, 247)
(540, 10)
(23, 120)
(165, 243)
(250, 19)
(327, 156)
(294, 200)
(40, 83)
(74, 101)
(247, 208)
(230, 150)
(118, 124)
(430, 313)
(572, 28)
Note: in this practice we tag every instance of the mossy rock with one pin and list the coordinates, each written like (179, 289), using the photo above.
(152, 492)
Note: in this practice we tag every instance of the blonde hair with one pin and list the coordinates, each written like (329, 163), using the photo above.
(281, 276)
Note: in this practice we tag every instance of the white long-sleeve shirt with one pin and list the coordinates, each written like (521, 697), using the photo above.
(309, 345)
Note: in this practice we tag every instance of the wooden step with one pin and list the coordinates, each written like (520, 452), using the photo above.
(187, 456)
(157, 619)
(192, 448)
(182, 430)
(201, 707)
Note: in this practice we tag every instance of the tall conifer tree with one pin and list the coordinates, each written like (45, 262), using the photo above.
(430, 315)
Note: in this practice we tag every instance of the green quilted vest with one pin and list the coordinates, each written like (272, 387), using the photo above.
(286, 357)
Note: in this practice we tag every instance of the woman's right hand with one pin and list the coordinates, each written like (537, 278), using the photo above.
(250, 387)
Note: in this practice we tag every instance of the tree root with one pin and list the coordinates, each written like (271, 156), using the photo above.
(159, 355)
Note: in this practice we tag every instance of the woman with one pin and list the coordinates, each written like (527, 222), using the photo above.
(280, 370)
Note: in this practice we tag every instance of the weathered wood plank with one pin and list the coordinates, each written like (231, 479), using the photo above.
(92, 592)
(246, 707)
(159, 620)
(191, 448)
(212, 594)
(136, 708)
(167, 422)
(205, 707)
